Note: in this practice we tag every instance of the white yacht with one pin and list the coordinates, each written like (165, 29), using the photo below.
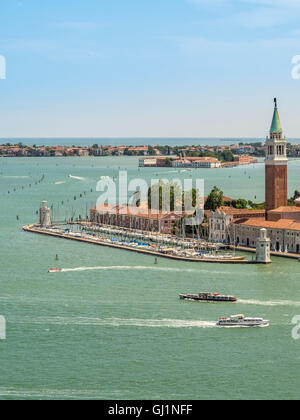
(242, 321)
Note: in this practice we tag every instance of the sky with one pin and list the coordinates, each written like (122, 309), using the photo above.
(148, 68)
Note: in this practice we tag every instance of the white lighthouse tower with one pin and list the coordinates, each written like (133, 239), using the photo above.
(263, 247)
(45, 220)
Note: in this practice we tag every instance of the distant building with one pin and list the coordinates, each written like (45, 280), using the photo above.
(147, 162)
(140, 150)
(242, 149)
(157, 161)
(245, 160)
(284, 234)
(221, 220)
(193, 162)
(197, 162)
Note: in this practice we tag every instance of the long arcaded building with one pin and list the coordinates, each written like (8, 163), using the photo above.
(140, 218)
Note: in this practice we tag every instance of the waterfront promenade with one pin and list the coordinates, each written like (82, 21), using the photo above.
(274, 253)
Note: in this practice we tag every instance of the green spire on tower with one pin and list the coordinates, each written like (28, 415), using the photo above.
(276, 125)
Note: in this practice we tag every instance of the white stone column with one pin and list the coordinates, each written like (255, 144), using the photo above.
(263, 246)
(45, 220)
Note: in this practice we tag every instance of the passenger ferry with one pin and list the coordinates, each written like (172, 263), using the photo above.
(208, 297)
(242, 321)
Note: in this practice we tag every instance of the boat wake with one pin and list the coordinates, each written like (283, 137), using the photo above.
(117, 322)
(59, 182)
(152, 268)
(16, 177)
(270, 303)
(79, 178)
(51, 393)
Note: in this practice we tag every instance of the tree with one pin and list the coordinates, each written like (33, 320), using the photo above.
(161, 191)
(170, 197)
(255, 206)
(151, 151)
(193, 195)
(168, 162)
(226, 156)
(237, 204)
(214, 199)
(296, 195)
(291, 200)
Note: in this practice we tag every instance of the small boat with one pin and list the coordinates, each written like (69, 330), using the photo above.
(242, 321)
(54, 270)
(224, 257)
(208, 297)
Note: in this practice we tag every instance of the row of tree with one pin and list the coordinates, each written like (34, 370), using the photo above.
(214, 200)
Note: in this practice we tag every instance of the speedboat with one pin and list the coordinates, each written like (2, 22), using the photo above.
(54, 270)
(242, 321)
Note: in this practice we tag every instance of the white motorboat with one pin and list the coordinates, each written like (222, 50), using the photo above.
(242, 321)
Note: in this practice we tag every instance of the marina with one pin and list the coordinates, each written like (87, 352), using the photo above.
(176, 253)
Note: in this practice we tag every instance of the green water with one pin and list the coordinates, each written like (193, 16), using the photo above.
(120, 331)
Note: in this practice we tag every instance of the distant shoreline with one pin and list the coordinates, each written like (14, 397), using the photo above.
(134, 141)
(223, 153)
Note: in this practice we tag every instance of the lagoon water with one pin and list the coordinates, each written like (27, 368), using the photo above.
(111, 326)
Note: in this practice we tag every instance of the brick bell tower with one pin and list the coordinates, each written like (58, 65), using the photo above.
(276, 166)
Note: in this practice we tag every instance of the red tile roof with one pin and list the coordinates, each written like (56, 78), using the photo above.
(241, 212)
(141, 211)
(286, 209)
(262, 223)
